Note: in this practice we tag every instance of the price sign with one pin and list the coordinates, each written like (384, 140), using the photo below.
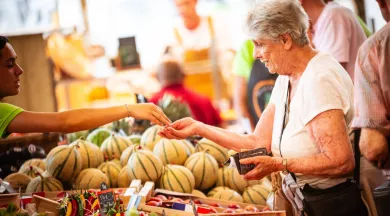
(106, 199)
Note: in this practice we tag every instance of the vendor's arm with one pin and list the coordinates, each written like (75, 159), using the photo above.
(82, 119)
(259, 138)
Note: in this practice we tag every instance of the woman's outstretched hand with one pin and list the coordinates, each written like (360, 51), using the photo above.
(149, 111)
(181, 129)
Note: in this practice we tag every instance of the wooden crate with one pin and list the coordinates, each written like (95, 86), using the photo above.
(46, 205)
(6, 199)
(46, 140)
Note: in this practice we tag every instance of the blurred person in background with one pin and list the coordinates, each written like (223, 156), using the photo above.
(361, 22)
(372, 103)
(336, 31)
(200, 41)
(14, 119)
(253, 85)
(171, 76)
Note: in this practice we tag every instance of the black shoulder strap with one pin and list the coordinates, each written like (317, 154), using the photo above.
(356, 173)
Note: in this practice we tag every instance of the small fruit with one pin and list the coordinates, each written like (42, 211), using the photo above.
(213, 210)
(178, 200)
(215, 205)
(156, 199)
(198, 202)
(251, 208)
(229, 211)
(234, 206)
(153, 203)
(162, 197)
(240, 210)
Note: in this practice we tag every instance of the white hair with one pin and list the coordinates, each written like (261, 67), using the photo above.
(271, 18)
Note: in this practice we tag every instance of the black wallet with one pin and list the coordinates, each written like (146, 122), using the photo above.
(245, 168)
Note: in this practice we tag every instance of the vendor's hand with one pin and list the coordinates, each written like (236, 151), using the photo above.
(265, 165)
(373, 146)
(181, 129)
(149, 111)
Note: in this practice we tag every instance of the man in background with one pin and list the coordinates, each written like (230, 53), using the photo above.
(336, 31)
(199, 42)
(372, 106)
(171, 76)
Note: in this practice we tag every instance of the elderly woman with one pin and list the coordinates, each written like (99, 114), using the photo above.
(13, 119)
(306, 121)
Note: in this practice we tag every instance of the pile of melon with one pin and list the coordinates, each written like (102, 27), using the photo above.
(106, 156)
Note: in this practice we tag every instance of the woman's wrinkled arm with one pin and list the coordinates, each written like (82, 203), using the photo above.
(261, 137)
(329, 131)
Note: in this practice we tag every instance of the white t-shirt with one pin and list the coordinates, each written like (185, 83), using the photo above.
(339, 33)
(200, 37)
(324, 85)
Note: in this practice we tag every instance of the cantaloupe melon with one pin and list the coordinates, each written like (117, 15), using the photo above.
(228, 195)
(135, 139)
(199, 194)
(204, 167)
(171, 151)
(71, 137)
(177, 178)
(46, 174)
(18, 180)
(90, 178)
(231, 152)
(213, 191)
(266, 183)
(117, 161)
(31, 171)
(255, 194)
(64, 162)
(40, 183)
(150, 137)
(111, 169)
(114, 145)
(35, 162)
(124, 178)
(223, 176)
(144, 165)
(190, 147)
(218, 152)
(239, 184)
(91, 155)
(98, 136)
(127, 153)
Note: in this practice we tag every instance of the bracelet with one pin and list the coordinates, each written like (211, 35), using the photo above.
(284, 164)
(128, 111)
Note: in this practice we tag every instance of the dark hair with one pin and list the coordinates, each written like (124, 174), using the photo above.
(3, 41)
